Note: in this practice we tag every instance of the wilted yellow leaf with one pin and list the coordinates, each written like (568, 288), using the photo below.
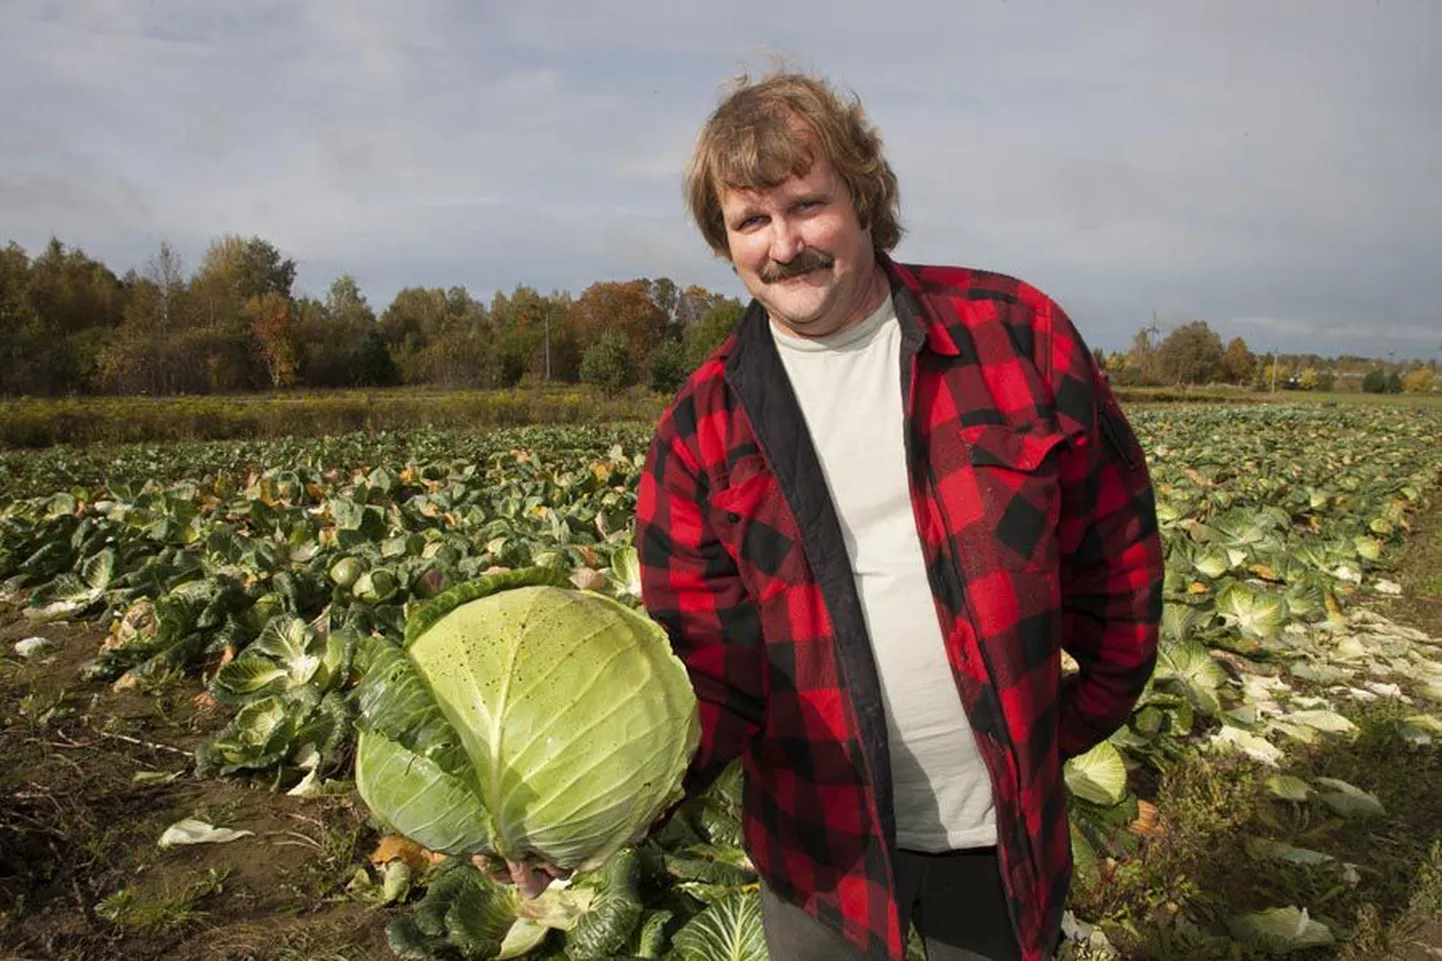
(1265, 572)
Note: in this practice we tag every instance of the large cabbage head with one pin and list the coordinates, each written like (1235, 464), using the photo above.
(525, 719)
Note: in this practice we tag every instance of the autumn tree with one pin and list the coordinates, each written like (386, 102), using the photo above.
(234, 272)
(1141, 366)
(1418, 381)
(1190, 354)
(240, 268)
(439, 336)
(694, 303)
(459, 346)
(149, 352)
(534, 337)
(622, 308)
(667, 298)
(273, 323)
(1238, 362)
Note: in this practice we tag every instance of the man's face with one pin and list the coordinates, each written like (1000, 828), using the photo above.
(801, 251)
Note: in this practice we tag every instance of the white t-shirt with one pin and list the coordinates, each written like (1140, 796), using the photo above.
(849, 388)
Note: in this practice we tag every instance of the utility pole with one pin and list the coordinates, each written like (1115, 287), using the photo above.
(547, 316)
(1275, 358)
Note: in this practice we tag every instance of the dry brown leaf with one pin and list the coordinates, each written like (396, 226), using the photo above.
(393, 847)
(587, 579)
(1148, 823)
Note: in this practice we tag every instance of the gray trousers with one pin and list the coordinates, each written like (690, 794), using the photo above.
(956, 899)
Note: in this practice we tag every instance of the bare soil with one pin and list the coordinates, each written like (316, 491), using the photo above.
(78, 828)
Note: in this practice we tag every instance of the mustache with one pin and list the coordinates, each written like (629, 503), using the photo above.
(802, 263)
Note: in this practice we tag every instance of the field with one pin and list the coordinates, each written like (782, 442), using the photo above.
(181, 623)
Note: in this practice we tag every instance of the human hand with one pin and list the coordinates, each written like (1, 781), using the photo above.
(529, 878)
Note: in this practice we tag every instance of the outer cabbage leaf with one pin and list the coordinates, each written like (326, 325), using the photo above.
(419, 800)
(1098, 776)
(1279, 930)
(729, 930)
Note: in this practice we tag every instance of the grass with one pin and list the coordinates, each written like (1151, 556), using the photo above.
(76, 421)
(336, 842)
(1425, 565)
(1217, 393)
(164, 911)
(79, 421)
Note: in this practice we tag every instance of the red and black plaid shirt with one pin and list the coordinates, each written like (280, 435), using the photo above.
(1037, 521)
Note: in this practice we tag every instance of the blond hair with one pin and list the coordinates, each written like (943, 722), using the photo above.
(767, 131)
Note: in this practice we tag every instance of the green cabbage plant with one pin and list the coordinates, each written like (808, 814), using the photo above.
(525, 719)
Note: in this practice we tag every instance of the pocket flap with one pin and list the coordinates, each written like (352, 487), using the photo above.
(1023, 450)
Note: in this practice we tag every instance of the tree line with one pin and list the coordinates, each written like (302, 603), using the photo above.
(70, 325)
(1194, 354)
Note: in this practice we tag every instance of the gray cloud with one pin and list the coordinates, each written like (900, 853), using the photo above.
(1270, 168)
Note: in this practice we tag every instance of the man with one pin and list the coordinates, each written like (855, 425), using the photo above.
(870, 522)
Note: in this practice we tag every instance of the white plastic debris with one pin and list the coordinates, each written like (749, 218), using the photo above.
(31, 646)
(192, 831)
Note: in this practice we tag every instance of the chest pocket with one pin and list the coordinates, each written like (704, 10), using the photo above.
(1019, 486)
(757, 527)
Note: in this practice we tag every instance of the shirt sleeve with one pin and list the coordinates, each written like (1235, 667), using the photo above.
(692, 587)
(1112, 560)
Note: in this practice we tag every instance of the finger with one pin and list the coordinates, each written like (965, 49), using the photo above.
(529, 881)
(494, 870)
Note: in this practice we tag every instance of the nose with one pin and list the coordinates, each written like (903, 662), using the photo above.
(786, 240)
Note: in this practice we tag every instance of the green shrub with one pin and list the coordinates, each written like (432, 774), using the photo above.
(668, 367)
(608, 365)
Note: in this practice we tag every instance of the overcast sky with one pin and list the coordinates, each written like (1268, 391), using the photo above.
(1274, 168)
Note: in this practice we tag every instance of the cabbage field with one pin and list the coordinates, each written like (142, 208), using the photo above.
(188, 627)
